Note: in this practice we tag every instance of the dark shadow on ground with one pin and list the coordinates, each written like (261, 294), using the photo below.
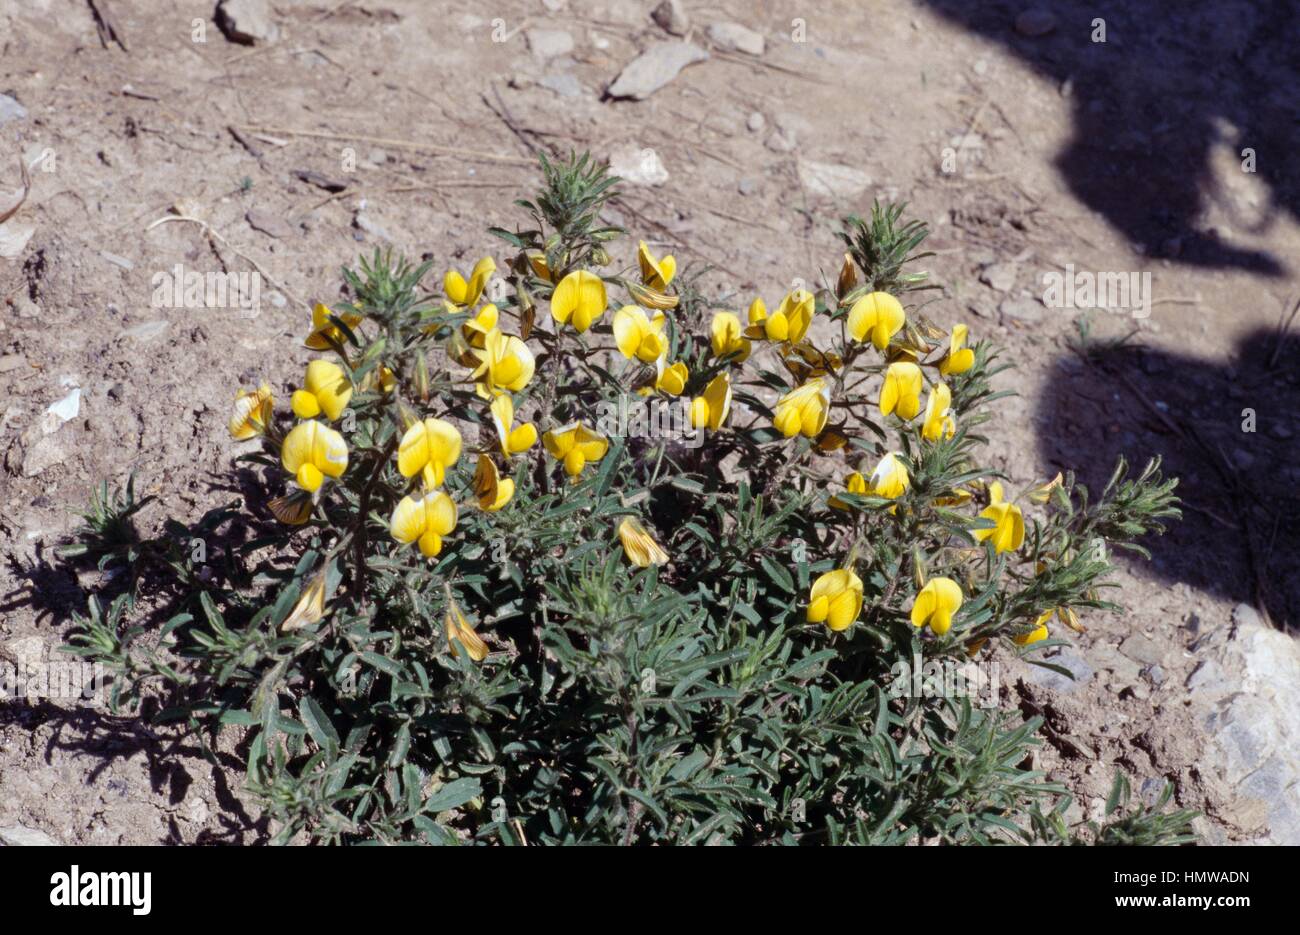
(1172, 80)
(1240, 533)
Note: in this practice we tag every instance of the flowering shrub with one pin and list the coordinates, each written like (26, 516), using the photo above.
(681, 617)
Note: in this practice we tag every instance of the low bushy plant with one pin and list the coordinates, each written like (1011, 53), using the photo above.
(534, 569)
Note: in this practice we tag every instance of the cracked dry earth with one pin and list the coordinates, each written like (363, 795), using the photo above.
(744, 161)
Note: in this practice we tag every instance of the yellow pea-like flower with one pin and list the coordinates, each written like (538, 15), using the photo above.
(505, 363)
(788, 323)
(324, 333)
(490, 489)
(957, 497)
(251, 413)
(538, 263)
(901, 391)
(959, 358)
(326, 389)
(935, 605)
(939, 421)
(484, 322)
(579, 299)
(429, 447)
(310, 606)
(575, 445)
(638, 335)
(671, 379)
(650, 298)
(1009, 532)
(1043, 493)
(711, 409)
(656, 274)
(312, 452)
(513, 439)
(854, 483)
(878, 316)
(460, 630)
(890, 478)
(462, 293)
(639, 546)
(835, 599)
(804, 410)
(728, 338)
(1037, 634)
(424, 520)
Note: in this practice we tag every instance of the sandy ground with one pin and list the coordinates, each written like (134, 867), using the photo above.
(1022, 151)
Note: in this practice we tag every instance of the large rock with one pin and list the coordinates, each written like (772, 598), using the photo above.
(654, 68)
(733, 37)
(830, 180)
(248, 22)
(1247, 694)
(20, 836)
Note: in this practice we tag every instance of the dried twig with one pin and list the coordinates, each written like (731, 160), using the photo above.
(438, 148)
(105, 24)
(27, 187)
(208, 229)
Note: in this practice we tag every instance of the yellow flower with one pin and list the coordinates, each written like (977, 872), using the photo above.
(424, 519)
(935, 605)
(711, 409)
(491, 491)
(324, 334)
(854, 483)
(877, 315)
(939, 422)
(958, 496)
(293, 509)
(579, 299)
(312, 452)
(650, 298)
(462, 293)
(310, 606)
(430, 446)
(804, 410)
(476, 329)
(505, 363)
(575, 445)
(901, 391)
(1037, 634)
(638, 335)
(890, 478)
(251, 413)
(788, 323)
(959, 358)
(459, 630)
(1044, 493)
(728, 338)
(538, 262)
(670, 380)
(639, 546)
(836, 599)
(656, 274)
(326, 389)
(513, 440)
(1009, 531)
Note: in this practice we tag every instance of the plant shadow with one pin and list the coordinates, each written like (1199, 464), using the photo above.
(1227, 431)
(1171, 82)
